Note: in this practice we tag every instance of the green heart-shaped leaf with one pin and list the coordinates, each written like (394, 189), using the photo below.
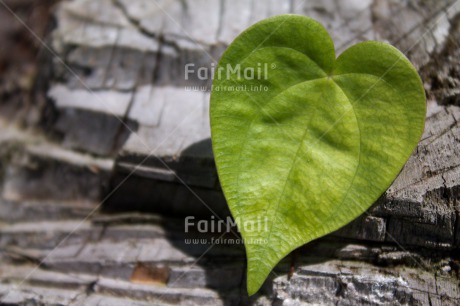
(318, 141)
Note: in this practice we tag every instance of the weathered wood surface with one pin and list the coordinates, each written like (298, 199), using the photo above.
(117, 94)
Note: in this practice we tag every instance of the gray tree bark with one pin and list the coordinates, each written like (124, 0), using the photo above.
(93, 199)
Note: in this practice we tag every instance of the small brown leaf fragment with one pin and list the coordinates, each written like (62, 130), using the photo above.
(147, 274)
